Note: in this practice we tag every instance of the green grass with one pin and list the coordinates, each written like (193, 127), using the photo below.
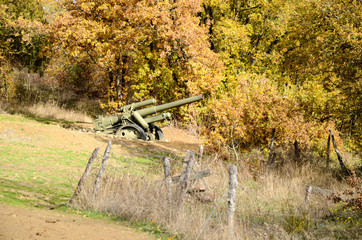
(51, 171)
(34, 174)
(155, 229)
(10, 118)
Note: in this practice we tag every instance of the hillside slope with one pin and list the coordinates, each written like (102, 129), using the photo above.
(40, 165)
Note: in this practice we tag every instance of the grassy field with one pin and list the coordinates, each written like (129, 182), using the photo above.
(41, 163)
(33, 172)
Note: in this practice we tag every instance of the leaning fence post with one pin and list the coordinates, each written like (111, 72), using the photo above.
(344, 168)
(97, 183)
(84, 176)
(231, 200)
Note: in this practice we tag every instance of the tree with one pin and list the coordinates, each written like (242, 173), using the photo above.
(139, 48)
(310, 49)
(22, 32)
(22, 36)
(322, 53)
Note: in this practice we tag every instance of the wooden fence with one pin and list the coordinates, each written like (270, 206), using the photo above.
(193, 172)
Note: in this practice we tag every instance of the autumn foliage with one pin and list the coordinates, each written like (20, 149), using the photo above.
(137, 49)
(243, 114)
(22, 34)
(290, 65)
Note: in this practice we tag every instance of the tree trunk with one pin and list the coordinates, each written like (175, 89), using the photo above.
(271, 157)
(328, 150)
(296, 151)
(344, 168)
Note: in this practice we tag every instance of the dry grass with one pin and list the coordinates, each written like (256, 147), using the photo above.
(52, 111)
(270, 204)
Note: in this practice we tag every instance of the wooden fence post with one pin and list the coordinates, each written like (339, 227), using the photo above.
(190, 160)
(272, 156)
(231, 200)
(168, 179)
(97, 183)
(198, 166)
(201, 151)
(307, 194)
(84, 176)
(344, 168)
(327, 152)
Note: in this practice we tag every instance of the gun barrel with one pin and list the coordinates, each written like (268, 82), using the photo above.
(136, 105)
(158, 117)
(156, 109)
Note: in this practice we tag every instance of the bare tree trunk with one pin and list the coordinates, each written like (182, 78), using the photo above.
(85, 175)
(344, 168)
(272, 156)
(296, 151)
(328, 150)
(97, 183)
(231, 200)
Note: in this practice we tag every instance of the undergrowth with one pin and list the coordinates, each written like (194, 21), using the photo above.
(270, 204)
(38, 171)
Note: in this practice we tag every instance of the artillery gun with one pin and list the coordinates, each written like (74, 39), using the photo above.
(136, 123)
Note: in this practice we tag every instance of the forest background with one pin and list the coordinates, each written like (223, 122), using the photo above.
(261, 64)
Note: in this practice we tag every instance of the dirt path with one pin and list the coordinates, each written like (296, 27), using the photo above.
(21, 223)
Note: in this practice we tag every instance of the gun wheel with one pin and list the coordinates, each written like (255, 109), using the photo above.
(158, 132)
(150, 137)
(131, 131)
